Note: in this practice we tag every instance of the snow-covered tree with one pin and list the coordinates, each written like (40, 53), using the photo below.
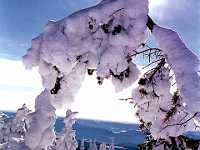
(167, 96)
(102, 146)
(105, 39)
(40, 130)
(109, 30)
(171, 143)
(66, 139)
(13, 129)
(92, 145)
(82, 146)
(111, 146)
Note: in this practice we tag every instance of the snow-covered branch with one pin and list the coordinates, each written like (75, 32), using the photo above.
(104, 39)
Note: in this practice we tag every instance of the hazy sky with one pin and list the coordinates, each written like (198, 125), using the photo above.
(22, 20)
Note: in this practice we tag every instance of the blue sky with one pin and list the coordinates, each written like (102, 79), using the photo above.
(22, 20)
(182, 16)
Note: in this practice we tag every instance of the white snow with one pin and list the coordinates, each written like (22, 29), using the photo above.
(184, 63)
(99, 39)
(84, 40)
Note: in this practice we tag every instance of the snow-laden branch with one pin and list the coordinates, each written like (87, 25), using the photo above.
(97, 38)
(184, 63)
(104, 38)
(66, 139)
(13, 129)
(170, 114)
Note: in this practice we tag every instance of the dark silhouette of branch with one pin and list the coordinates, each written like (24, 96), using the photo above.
(125, 99)
(150, 23)
(116, 12)
(179, 124)
(146, 50)
(152, 63)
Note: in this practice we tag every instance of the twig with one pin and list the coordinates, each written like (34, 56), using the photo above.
(125, 99)
(179, 124)
(116, 12)
(149, 49)
(152, 63)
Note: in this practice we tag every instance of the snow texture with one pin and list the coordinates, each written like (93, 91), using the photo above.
(100, 39)
(170, 112)
(102, 146)
(88, 39)
(40, 132)
(97, 39)
(66, 139)
(184, 63)
(13, 129)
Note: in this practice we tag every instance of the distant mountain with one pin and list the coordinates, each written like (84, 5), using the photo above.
(129, 137)
(125, 136)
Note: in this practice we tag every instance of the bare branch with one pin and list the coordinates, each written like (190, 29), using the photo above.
(179, 124)
(152, 63)
(146, 50)
(125, 99)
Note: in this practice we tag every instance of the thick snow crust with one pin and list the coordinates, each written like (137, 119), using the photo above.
(100, 40)
(170, 104)
(96, 39)
(184, 63)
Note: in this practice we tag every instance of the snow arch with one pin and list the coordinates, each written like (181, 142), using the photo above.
(84, 42)
(103, 39)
